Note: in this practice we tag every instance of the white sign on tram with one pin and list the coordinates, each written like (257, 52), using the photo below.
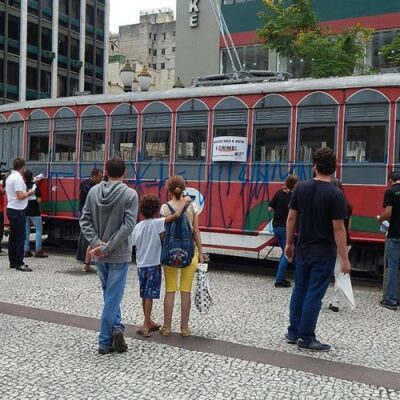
(229, 148)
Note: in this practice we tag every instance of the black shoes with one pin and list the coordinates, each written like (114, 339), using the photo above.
(28, 254)
(105, 350)
(119, 343)
(314, 346)
(285, 284)
(23, 268)
(333, 308)
(290, 340)
(389, 306)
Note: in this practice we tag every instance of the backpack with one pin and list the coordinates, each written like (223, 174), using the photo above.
(178, 246)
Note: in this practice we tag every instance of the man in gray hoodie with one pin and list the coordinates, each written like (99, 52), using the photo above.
(107, 221)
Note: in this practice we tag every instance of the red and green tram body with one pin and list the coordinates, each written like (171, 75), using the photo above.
(172, 132)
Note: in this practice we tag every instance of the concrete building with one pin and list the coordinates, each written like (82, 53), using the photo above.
(242, 18)
(151, 43)
(52, 48)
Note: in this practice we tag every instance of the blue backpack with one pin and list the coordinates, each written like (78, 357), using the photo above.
(178, 246)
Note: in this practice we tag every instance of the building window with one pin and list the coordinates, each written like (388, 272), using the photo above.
(123, 144)
(45, 83)
(312, 138)
(271, 144)
(155, 37)
(173, 49)
(154, 66)
(380, 39)
(33, 39)
(74, 49)
(365, 143)
(13, 34)
(251, 57)
(31, 79)
(150, 35)
(100, 19)
(164, 35)
(46, 39)
(12, 73)
(62, 86)
(73, 87)
(156, 144)
(38, 147)
(64, 147)
(192, 144)
(173, 33)
(150, 50)
(76, 9)
(163, 52)
(154, 52)
(62, 44)
(162, 65)
(89, 15)
(93, 144)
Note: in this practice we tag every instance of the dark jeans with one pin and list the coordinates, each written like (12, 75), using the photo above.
(82, 246)
(312, 278)
(1, 227)
(16, 239)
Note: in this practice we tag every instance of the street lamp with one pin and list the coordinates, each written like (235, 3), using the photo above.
(127, 74)
(144, 79)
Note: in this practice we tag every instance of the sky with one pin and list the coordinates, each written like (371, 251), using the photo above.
(126, 12)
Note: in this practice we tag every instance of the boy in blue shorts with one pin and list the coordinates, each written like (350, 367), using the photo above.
(147, 239)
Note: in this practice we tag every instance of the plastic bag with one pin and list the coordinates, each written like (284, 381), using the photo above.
(202, 299)
(345, 290)
(269, 228)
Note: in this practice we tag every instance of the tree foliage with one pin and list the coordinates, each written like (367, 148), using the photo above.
(391, 52)
(293, 30)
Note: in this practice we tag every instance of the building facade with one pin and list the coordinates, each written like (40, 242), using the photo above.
(151, 43)
(243, 20)
(52, 48)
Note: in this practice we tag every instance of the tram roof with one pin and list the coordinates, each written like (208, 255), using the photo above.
(292, 85)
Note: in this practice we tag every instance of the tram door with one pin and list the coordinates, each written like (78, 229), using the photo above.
(11, 136)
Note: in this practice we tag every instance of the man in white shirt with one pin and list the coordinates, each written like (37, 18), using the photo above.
(17, 200)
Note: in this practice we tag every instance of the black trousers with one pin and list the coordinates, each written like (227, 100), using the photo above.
(1, 227)
(16, 239)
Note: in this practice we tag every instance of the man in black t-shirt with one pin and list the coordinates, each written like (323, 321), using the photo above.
(317, 209)
(84, 188)
(391, 203)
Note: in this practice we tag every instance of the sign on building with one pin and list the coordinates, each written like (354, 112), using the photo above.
(194, 13)
(229, 148)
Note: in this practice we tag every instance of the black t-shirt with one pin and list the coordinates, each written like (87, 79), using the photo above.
(33, 207)
(318, 203)
(85, 186)
(392, 198)
(280, 204)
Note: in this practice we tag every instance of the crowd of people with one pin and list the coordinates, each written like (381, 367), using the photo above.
(311, 223)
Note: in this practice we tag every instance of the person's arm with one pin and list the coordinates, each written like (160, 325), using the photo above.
(197, 237)
(341, 243)
(87, 226)
(126, 229)
(21, 195)
(178, 212)
(290, 228)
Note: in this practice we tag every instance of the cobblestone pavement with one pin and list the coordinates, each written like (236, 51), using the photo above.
(48, 361)
(248, 310)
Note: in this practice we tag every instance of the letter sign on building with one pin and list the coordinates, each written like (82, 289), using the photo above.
(194, 13)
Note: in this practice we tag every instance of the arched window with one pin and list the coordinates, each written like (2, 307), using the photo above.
(93, 134)
(64, 136)
(38, 136)
(230, 118)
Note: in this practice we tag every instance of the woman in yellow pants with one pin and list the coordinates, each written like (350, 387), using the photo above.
(176, 186)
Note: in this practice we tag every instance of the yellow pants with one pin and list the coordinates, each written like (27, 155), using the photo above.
(187, 274)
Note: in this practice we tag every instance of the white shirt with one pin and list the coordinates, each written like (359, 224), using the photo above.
(15, 183)
(146, 238)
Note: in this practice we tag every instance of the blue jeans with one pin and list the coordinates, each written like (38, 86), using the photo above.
(113, 280)
(312, 278)
(37, 223)
(280, 234)
(393, 262)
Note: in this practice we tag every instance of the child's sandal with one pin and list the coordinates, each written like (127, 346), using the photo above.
(186, 332)
(165, 331)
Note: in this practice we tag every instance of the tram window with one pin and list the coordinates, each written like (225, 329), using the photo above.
(365, 143)
(192, 144)
(123, 144)
(271, 144)
(312, 138)
(64, 147)
(38, 147)
(93, 144)
(156, 144)
(230, 132)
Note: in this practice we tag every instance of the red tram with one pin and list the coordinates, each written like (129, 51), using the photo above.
(234, 145)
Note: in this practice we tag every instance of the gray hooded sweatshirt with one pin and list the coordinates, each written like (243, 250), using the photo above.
(109, 216)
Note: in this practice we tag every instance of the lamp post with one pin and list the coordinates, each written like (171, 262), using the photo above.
(127, 74)
(144, 79)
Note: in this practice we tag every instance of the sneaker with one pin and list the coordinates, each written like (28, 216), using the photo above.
(119, 343)
(105, 350)
(28, 254)
(333, 308)
(284, 284)
(290, 340)
(389, 306)
(88, 268)
(40, 254)
(315, 345)
(23, 268)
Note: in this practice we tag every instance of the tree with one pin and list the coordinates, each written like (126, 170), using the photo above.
(294, 32)
(391, 52)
